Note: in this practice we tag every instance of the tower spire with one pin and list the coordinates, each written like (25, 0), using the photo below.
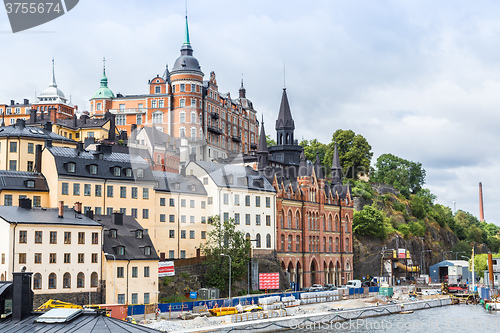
(242, 91)
(336, 167)
(53, 79)
(104, 79)
(262, 151)
(285, 125)
(186, 33)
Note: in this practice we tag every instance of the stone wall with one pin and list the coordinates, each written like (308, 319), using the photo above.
(79, 298)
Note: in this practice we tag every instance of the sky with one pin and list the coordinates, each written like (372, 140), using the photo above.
(419, 79)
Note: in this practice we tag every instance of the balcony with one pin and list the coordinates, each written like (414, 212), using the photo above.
(214, 115)
(236, 138)
(214, 129)
(128, 111)
(253, 146)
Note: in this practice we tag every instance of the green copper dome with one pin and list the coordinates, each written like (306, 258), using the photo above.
(103, 92)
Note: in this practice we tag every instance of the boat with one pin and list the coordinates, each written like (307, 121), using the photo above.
(406, 312)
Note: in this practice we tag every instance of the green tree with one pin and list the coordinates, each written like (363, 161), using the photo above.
(370, 222)
(481, 263)
(354, 153)
(270, 142)
(418, 207)
(224, 239)
(493, 243)
(464, 247)
(407, 176)
(313, 146)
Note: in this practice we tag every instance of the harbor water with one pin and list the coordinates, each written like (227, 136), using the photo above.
(447, 319)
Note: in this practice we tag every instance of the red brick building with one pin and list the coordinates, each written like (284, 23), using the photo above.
(313, 216)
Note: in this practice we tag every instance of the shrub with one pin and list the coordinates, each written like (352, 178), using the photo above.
(167, 280)
(404, 229)
(370, 222)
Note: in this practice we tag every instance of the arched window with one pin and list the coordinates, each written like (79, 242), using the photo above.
(324, 244)
(268, 241)
(52, 281)
(289, 243)
(347, 244)
(158, 117)
(67, 280)
(297, 221)
(93, 280)
(281, 219)
(2, 278)
(247, 236)
(330, 244)
(336, 244)
(297, 243)
(80, 280)
(330, 222)
(283, 243)
(309, 221)
(289, 220)
(257, 241)
(37, 281)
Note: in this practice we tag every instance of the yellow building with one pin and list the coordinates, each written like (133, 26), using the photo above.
(15, 185)
(18, 145)
(130, 262)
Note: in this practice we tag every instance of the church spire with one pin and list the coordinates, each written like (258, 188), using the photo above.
(336, 167)
(53, 79)
(242, 90)
(262, 151)
(186, 33)
(318, 168)
(285, 124)
(104, 79)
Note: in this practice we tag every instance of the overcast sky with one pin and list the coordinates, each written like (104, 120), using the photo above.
(419, 79)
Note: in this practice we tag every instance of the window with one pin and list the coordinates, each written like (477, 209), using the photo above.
(191, 204)
(171, 254)
(203, 205)
(119, 272)
(23, 236)
(52, 258)
(247, 219)
(128, 172)
(13, 165)
(257, 201)
(183, 202)
(109, 191)
(171, 218)
(76, 189)
(138, 119)
(121, 298)
(162, 201)
(191, 219)
(71, 167)
(247, 200)
(171, 233)
(98, 210)
(30, 167)
(160, 103)
(183, 234)
(80, 280)
(37, 281)
(123, 192)
(289, 243)
(134, 272)
(153, 103)
(37, 201)
(191, 234)
(146, 298)
(120, 119)
(171, 203)
(134, 193)
(67, 280)
(147, 250)
(86, 189)
(117, 171)
(226, 199)
(205, 180)
(157, 118)
(182, 87)
(145, 193)
(162, 217)
(81, 258)
(52, 281)
(236, 199)
(13, 147)
(257, 241)
(94, 259)
(157, 89)
(30, 148)
(203, 235)
(95, 238)
(268, 202)
(53, 237)
(146, 271)
(22, 258)
(7, 200)
(210, 200)
(38, 258)
(67, 258)
(193, 87)
(134, 298)
(145, 213)
(81, 238)
(268, 220)
(236, 218)
(98, 106)
(109, 211)
(226, 217)
(94, 281)
(257, 219)
(183, 254)
(98, 191)
(38, 237)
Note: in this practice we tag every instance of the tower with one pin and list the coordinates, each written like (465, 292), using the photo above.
(336, 167)
(100, 102)
(285, 125)
(262, 151)
(481, 209)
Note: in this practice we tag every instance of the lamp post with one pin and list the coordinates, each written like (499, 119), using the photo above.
(225, 255)
(114, 275)
(445, 253)
(456, 254)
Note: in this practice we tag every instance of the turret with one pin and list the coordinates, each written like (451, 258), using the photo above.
(285, 124)
(262, 151)
(336, 167)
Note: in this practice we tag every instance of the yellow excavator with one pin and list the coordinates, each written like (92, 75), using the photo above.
(55, 304)
(407, 268)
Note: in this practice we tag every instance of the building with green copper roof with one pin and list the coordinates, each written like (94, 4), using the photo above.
(103, 92)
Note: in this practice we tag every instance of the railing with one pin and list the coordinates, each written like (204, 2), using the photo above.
(236, 138)
(214, 129)
(214, 115)
(253, 145)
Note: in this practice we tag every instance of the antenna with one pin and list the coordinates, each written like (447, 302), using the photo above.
(186, 4)
(104, 63)
(284, 75)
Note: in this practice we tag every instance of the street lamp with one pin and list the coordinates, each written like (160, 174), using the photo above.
(456, 254)
(446, 252)
(114, 275)
(225, 255)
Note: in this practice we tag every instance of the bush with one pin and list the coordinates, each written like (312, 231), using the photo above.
(399, 206)
(370, 222)
(167, 280)
(173, 299)
(404, 229)
(184, 275)
(417, 228)
(418, 207)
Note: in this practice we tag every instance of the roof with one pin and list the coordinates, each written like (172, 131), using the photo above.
(83, 122)
(236, 176)
(452, 263)
(103, 91)
(18, 180)
(186, 61)
(87, 322)
(105, 162)
(285, 120)
(20, 130)
(15, 214)
(125, 236)
(174, 182)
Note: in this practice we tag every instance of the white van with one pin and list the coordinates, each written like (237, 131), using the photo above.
(353, 284)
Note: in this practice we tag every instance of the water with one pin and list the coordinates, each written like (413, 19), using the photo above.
(446, 319)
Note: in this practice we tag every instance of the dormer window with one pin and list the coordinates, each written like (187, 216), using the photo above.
(30, 183)
(112, 233)
(193, 188)
(120, 250)
(138, 234)
(71, 167)
(128, 172)
(117, 171)
(140, 173)
(93, 169)
(177, 186)
(147, 250)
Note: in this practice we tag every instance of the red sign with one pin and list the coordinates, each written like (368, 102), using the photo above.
(269, 280)
(166, 268)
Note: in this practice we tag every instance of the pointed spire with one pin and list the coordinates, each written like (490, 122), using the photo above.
(242, 90)
(303, 169)
(318, 168)
(336, 167)
(186, 33)
(53, 79)
(285, 120)
(262, 138)
(104, 79)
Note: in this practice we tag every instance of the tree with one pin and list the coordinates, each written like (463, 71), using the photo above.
(312, 147)
(369, 221)
(354, 153)
(407, 176)
(481, 263)
(224, 239)
(270, 142)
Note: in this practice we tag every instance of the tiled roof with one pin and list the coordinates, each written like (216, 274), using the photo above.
(31, 132)
(125, 236)
(174, 182)
(15, 214)
(17, 180)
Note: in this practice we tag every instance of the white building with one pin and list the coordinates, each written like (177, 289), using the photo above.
(240, 193)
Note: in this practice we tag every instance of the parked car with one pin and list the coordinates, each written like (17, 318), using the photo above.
(329, 286)
(317, 287)
(353, 284)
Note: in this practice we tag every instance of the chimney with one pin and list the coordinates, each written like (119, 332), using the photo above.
(117, 218)
(41, 114)
(77, 207)
(21, 123)
(79, 146)
(25, 203)
(53, 115)
(33, 116)
(104, 148)
(112, 127)
(133, 133)
(22, 296)
(61, 209)
(26, 101)
(90, 214)
(75, 121)
(12, 102)
(38, 158)
(48, 143)
(490, 271)
(48, 126)
(481, 210)
(84, 118)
